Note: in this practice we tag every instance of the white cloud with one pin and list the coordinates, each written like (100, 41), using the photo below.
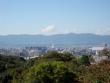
(48, 29)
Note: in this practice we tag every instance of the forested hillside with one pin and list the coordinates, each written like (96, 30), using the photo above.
(53, 67)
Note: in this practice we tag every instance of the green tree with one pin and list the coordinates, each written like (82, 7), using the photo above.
(84, 60)
(54, 55)
(50, 72)
(66, 56)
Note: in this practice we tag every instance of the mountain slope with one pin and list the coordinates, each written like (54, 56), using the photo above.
(59, 39)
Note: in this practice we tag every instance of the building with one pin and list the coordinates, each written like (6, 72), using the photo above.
(97, 50)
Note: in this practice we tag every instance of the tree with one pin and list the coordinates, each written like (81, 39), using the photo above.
(105, 52)
(66, 56)
(54, 55)
(7, 65)
(84, 60)
(50, 72)
(97, 73)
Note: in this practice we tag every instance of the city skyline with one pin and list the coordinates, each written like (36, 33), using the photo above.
(48, 17)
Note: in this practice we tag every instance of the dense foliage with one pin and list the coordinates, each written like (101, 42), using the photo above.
(53, 67)
(8, 65)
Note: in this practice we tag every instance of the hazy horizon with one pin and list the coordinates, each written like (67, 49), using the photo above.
(55, 34)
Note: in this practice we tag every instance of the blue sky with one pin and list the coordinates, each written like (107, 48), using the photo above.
(54, 16)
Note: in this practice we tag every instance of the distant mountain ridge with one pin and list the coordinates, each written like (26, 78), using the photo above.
(58, 39)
